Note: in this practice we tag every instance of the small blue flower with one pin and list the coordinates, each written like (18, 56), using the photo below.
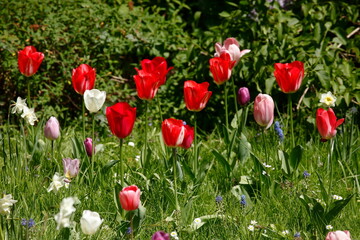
(218, 199)
(31, 223)
(243, 200)
(279, 131)
(306, 174)
(129, 230)
(297, 234)
(23, 222)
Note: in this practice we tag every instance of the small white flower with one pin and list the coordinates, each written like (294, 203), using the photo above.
(5, 203)
(19, 106)
(90, 222)
(266, 165)
(131, 144)
(94, 99)
(174, 234)
(264, 173)
(57, 183)
(336, 197)
(253, 222)
(66, 210)
(251, 228)
(328, 99)
(29, 115)
(137, 157)
(197, 220)
(285, 232)
(329, 227)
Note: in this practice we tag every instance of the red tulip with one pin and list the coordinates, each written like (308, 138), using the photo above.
(147, 84)
(29, 60)
(83, 78)
(289, 76)
(220, 68)
(121, 118)
(264, 110)
(130, 198)
(176, 134)
(338, 235)
(196, 95)
(157, 67)
(326, 123)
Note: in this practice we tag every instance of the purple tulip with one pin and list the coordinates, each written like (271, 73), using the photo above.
(52, 128)
(71, 167)
(88, 146)
(160, 235)
(243, 96)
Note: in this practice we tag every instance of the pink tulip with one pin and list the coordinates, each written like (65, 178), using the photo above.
(264, 110)
(71, 167)
(52, 128)
(338, 235)
(231, 46)
(130, 198)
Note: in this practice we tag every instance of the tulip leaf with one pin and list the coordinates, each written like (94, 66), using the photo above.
(109, 165)
(336, 207)
(295, 157)
(222, 160)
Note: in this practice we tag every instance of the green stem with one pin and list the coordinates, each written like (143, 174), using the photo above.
(52, 149)
(265, 147)
(83, 119)
(144, 155)
(235, 95)
(175, 180)
(195, 146)
(28, 92)
(226, 107)
(121, 164)
(330, 163)
(291, 121)
(159, 107)
(93, 147)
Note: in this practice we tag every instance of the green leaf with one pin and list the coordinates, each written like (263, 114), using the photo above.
(109, 165)
(336, 207)
(222, 160)
(295, 157)
(224, 14)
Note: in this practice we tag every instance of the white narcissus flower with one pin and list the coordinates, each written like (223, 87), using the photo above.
(57, 183)
(90, 222)
(328, 99)
(29, 115)
(5, 203)
(19, 106)
(94, 99)
(63, 218)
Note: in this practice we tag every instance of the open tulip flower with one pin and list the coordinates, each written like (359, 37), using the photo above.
(130, 198)
(221, 67)
(327, 123)
(71, 167)
(196, 95)
(121, 118)
(176, 134)
(29, 60)
(338, 235)
(289, 76)
(264, 110)
(94, 99)
(52, 129)
(157, 67)
(147, 84)
(231, 46)
(83, 78)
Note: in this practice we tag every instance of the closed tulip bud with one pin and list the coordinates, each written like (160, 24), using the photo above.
(130, 198)
(264, 110)
(231, 46)
(338, 235)
(29, 60)
(121, 118)
(52, 129)
(90, 222)
(160, 235)
(243, 96)
(83, 78)
(196, 95)
(71, 167)
(94, 99)
(88, 143)
(220, 68)
(327, 123)
(289, 76)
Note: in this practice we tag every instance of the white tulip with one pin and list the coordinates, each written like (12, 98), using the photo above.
(90, 222)
(94, 99)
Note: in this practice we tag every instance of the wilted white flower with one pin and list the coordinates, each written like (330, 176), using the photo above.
(66, 210)
(29, 115)
(19, 106)
(336, 197)
(251, 228)
(94, 99)
(90, 222)
(253, 222)
(328, 99)
(329, 227)
(131, 144)
(57, 183)
(5, 203)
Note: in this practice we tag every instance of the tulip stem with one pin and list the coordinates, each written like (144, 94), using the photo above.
(144, 155)
(28, 92)
(83, 119)
(52, 149)
(291, 121)
(195, 146)
(121, 164)
(330, 163)
(226, 108)
(235, 96)
(175, 182)
(265, 147)
(93, 147)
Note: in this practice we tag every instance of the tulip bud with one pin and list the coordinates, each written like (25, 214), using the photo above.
(52, 128)
(264, 110)
(71, 167)
(327, 123)
(338, 235)
(94, 99)
(88, 146)
(130, 198)
(160, 235)
(243, 96)
(29, 60)
(90, 222)
(83, 78)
